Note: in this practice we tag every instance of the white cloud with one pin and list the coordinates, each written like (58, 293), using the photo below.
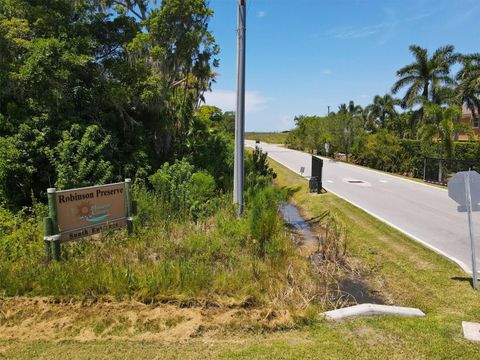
(261, 14)
(327, 72)
(347, 33)
(227, 100)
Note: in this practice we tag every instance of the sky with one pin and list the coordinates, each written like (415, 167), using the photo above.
(306, 55)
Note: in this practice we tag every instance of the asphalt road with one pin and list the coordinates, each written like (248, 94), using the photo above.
(421, 211)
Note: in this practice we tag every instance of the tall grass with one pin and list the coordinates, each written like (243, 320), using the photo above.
(216, 258)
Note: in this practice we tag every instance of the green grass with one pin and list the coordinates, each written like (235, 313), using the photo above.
(272, 138)
(168, 259)
(404, 271)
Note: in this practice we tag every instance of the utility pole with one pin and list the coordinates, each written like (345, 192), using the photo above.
(238, 172)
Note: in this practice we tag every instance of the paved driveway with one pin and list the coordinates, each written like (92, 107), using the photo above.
(421, 211)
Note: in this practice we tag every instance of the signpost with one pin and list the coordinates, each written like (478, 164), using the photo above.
(464, 188)
(77, 213)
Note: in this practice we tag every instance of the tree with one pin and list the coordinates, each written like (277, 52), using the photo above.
(469, 83)
(133, 70)
(79, 158)
(178, 54)
(383, 111)
(423, 73)
(441, 124)
(351, 108)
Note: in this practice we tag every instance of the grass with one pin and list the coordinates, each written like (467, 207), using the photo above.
(272, 137)
(215, 259)
(404, 271)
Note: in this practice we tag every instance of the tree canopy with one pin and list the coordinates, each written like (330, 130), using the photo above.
(97, 91)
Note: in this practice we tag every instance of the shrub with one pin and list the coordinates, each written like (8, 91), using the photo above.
(184, 190)
(21, 234)
(258, 172)
(79, 158)
(380, 151)
(264, 221)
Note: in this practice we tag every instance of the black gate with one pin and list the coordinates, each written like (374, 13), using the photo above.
(440, 171)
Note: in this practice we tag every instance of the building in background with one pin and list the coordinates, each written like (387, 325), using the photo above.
(472, 122)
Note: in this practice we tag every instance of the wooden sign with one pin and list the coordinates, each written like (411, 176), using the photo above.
(91, 210)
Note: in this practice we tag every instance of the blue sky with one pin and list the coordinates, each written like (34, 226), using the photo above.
(304, 55)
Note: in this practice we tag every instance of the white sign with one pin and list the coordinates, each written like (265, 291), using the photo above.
(457, 190)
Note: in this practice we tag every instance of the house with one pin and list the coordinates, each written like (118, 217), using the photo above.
(472, 122)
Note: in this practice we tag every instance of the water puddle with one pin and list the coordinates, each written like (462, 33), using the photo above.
(353, 287)
(360, 291)
(292, 217)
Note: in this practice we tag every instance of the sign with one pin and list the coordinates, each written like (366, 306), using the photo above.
(90, 210)
(317, 169)
(464, 188)
(457, 190)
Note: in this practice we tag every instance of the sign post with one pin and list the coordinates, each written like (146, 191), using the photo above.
(468, 200)
(128, 200)
(51, 227)
(464, 188)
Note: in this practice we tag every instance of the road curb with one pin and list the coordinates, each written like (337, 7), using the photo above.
(372, 310)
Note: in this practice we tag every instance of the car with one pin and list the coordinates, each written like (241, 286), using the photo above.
(257, 141)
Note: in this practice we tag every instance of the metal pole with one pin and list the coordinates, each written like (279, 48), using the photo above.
(238, 172)
(470, 228)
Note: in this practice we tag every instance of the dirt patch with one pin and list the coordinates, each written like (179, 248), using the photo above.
(27, 319)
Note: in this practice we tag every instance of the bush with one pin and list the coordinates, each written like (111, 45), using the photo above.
(184, 190)
(380, 151)
(264, 221)
(79, 158)
(258, 172)
(21, 234)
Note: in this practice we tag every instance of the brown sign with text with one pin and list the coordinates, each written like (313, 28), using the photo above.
(88, 211)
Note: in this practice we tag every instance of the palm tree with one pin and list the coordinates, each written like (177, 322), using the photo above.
(440, 125)
(469, 83)
(383, 108)
(351, 108)
(424, 72)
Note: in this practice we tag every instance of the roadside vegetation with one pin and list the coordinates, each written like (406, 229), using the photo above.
(268, 137)
(397, 134)
(403, 271)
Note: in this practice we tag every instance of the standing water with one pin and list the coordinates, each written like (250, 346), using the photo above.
(292, 217)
